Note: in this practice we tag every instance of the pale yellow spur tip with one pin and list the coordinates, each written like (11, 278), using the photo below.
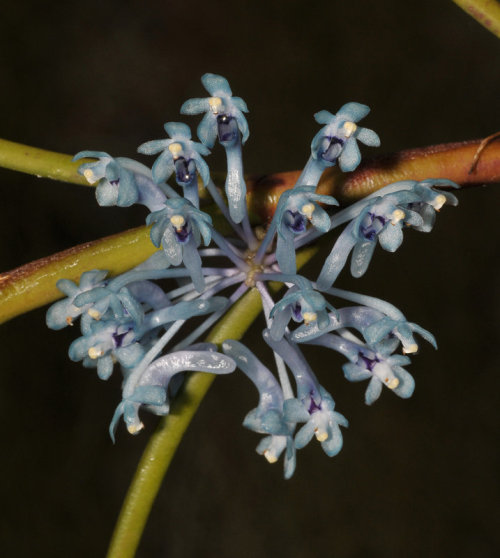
(349, 129)
(270, 456)
(177, 221)
(215, 104)
(134, 428)
(94, 353)
(410, 349)
(309, 317)
(93, 313)
(307, 210)
(392, 384)
(397, 216)
(175, 149)
(439, 201)
(89, 175)
(321, 435)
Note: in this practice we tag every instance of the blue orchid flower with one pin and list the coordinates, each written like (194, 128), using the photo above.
(302, 303)
(223, 112)
(267, 417)
(421, 199)
(64, 312)
(179, 228)
(337, 141)
(379, 221)
(151, 389)
(374, 362)
(382, 368)
(225, 121)
(374, 325)
(118, 180)
(106, 342)
(313, 405)
(296, 208)
(180, 155)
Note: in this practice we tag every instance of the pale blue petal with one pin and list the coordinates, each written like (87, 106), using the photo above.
(304, 435)
(154, 146)
(367, 136)
(207, 129)
(105, 367)
(294, 411)
(406, 385)
(195, 106)
(91, 154)
(216, 85)
(427, 335)
(391, 237)
(373, 390)
(350, 157)
(324, 117)
(333, 444)
(361, 257)
(353, 111)
(178, 129)
(163, 167)
(243, 126)
(355, 373)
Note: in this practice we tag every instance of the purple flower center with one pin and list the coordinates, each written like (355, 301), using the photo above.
(368, 363)
(331, 148)
(115, 182)
(118, 338)
(372, 225)
(297, 312)
(183, 234)
(185, 170)
(227, 128)
(295, 221)
(313, 407)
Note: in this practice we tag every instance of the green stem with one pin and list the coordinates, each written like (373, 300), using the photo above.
(486, 12)
(163, 443)
(40, 162)
(34, 284)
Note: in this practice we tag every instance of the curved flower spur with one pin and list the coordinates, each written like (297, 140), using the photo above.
(147, 328)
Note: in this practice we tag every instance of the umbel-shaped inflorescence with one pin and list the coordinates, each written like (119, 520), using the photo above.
(154, 333)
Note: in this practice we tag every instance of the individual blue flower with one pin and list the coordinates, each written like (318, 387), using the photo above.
(302, 303)
(151, 388)
(424, 199)
(381, 367)
(63, 312)
(321, 420)
(313, 405)
(296, 208)
(337, 140)
(267, 417)
(180, 155)
(224, 120)
(116, 182)
(223, 112)
(374, 325)
(101, 299)
(179, 228)
(379, 221)
(106, 342)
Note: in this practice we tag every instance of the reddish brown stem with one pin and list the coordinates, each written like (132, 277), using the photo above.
(467, 163)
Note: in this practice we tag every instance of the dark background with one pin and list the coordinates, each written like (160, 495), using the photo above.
(415, 478)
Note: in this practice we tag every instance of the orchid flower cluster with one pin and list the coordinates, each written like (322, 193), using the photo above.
(154, 334)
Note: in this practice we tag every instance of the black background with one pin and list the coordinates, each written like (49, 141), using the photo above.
(415, 478)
